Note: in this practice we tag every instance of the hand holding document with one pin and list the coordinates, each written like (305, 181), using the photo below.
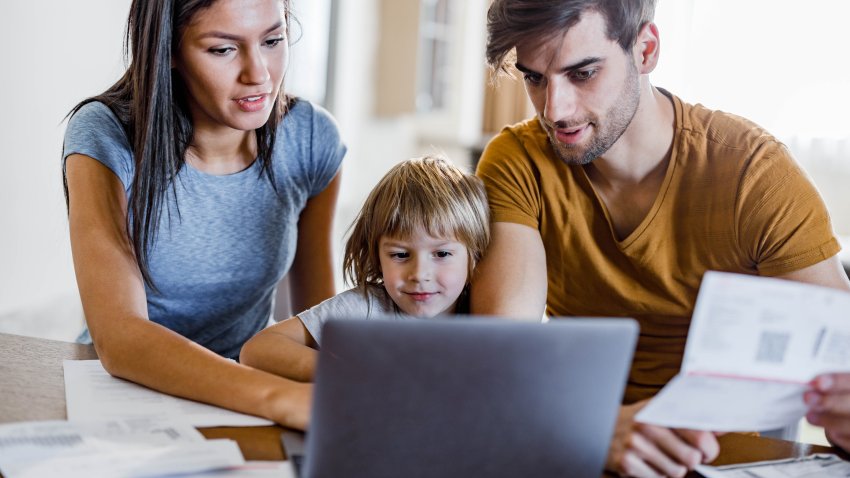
(754, 345)
(114, 448)
(91, 393)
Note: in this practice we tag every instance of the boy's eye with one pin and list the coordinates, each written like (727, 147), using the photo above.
(399, 255)
(443, 254)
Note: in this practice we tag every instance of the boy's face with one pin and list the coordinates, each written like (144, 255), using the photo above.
(424, 275)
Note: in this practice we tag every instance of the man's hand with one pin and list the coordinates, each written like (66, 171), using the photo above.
(829, 407)
(641, 450)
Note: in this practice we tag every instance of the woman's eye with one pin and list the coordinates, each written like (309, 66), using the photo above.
(221, 51)
(273, 42)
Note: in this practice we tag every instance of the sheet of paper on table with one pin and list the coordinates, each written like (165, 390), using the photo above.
(109, 448)
(812, 466)
(251, 469)
(753, 346)
(91, 393)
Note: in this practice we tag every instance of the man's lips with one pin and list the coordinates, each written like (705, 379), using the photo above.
(571, 135)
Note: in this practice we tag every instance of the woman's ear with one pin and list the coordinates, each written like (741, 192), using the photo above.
(647, 48)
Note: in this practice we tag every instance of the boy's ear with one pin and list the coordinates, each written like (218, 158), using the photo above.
(647, 48)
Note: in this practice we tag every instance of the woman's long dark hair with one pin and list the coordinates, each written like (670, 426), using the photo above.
(151, 104)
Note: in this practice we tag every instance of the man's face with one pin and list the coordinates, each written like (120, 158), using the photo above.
(584, 87)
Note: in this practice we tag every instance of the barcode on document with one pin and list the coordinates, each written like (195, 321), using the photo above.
(772, 346)
(57, 441)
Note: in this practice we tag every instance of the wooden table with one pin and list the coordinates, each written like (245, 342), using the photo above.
(32, 387)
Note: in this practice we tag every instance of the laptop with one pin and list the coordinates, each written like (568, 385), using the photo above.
(464, 397)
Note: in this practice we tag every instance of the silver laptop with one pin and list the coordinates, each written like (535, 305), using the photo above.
(465, 397)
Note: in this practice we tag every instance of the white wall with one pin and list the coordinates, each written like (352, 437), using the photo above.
(55, 53)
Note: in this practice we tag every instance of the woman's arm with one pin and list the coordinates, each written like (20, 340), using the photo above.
(311, 278)
(286, 349)
(115, 306)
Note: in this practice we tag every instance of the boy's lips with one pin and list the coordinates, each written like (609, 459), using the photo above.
(420, 296)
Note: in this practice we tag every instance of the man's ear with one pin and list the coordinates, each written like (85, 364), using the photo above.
(647, 48)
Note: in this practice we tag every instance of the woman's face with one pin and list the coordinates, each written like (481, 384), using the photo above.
(232, 57)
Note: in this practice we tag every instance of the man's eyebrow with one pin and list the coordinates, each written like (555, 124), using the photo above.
(229, 36)
(575, 66)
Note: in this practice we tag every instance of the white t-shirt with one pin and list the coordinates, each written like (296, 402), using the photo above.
(351, 305)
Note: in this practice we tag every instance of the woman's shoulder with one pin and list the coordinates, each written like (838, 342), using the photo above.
(304, 114)
(95, 131)
(95, 114)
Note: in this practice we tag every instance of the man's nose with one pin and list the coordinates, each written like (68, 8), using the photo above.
(560, 101)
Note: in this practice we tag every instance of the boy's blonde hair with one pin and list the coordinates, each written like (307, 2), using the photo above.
(424, 194)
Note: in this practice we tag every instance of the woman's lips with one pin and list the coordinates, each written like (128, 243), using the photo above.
(250, 104)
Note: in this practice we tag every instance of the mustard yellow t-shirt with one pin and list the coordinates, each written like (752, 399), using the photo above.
(732, 200)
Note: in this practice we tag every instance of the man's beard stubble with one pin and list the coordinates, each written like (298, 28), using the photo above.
(606, 132)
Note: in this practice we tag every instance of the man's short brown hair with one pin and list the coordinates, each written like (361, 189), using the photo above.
(512, 22)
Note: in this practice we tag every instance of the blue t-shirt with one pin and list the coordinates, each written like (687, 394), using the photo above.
(217, 262)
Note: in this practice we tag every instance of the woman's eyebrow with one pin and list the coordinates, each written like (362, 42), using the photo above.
(232, 37)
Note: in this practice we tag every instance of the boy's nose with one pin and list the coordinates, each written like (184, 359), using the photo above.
(420, 270)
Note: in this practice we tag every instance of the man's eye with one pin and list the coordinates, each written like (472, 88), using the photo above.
(583, 75)
(532, 79)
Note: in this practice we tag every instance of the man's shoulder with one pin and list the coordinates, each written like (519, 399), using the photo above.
(523, 142)
(721, 129)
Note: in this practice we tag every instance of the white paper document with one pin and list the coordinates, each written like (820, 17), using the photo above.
(109, 448)
(754, 345)
(91, 394)
(251, 469)
(812, 466)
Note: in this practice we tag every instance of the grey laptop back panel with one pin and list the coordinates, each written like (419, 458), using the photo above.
(467, 398)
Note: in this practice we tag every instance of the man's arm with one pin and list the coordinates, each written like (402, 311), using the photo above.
(511, 279)
(829, 399)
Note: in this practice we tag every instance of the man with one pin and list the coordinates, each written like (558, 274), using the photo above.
(618, 197)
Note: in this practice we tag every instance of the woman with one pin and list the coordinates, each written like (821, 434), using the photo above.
(193, 185)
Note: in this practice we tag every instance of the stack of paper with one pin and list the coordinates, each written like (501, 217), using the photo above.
(754, 345)
(114, 448)
(92, 394)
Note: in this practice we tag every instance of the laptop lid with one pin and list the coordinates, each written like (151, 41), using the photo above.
(467, 397)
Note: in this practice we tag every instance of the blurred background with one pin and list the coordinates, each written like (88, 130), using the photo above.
(403, 78)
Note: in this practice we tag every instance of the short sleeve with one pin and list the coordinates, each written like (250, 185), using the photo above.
(782, 220)
(510, 179)
(327, 150)
(95, 131)
(351, 303)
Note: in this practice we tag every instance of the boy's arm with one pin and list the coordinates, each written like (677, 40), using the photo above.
(286, 349)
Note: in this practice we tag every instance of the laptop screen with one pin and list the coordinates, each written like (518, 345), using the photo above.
(467, 397)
